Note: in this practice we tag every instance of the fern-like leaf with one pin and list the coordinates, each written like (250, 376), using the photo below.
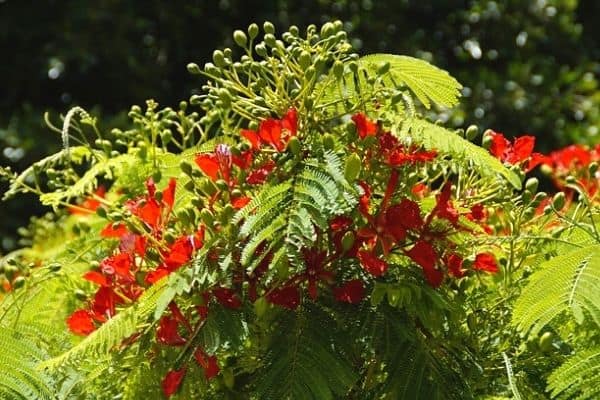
(429, 83)
(114, 331)
(446, 142)
(302, 362)
(18, 359)
(578, 378)
(568, 282)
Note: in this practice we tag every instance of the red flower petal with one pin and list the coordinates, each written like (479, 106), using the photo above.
(350, 292)
(171, 382)
(240, 202)
(96, 277)
(365, 199)
(372, 264)
(499, 146)
(270, 132)
(478, 212)
(119, 264)
(227, 298)
(454, 263)
(485, 262)
(364, 126)
(287, 297)
(208, 363)
(407, 214)
(260, 175)
(340, 223)
(114, 230)
(433, 276)
(252, 137)
(521, 149)
(105, 300)
(444, 208)
(180, 252)
(169, 193)
(290, 121)
(81, 323)
(538, 159)
(167, 332)
(156, 275)
(208, 164)
(423, 254)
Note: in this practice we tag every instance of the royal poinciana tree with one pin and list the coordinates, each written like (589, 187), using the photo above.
(298, 230)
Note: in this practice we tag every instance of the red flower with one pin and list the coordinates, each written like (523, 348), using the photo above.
(156, 275)
(372, 264)
(485, 262)
(240, 202)
(286, 297)
(521, 150)
(81, 323)
(350, 292)
(171, 382)
(407, 214)
(119, 264)
(208, 363)
(275, 132)
(104, 303)
(179, 253)
(477, 213)
(147, 209)
(364, 126)
(315, 270)
(217, 163)
(259, 176)
(96, 277)
(167, 332)
(365, 198)
(401, 156)
(340, 223)
(168, 195)
(424, 254)
(454, 263)
(227, 298)
(443, 207)
(114, 230)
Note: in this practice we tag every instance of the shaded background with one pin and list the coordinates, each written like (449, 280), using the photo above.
(527, 66)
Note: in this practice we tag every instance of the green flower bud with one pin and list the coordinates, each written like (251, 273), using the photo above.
(383, 68)
(338, 69)
(80, 295)
(472, 132)
(559, 200)
(253, 31)
(268, 27)
(545, 342)
(240, 38)
(347, 241)
(486, 140)
(328, 141)
(270, 40)
(304, 60)
(219, 59)
(19, 282)
(186, 167)
(196, 100)
(54, 267)
(221, 184)
(295, 146)
(208, 187)
(532, 185)
(207, 217)
(353, 167)
(327, 30)
(261, 49)
(260, 307)
(193, 69)
(593, 168)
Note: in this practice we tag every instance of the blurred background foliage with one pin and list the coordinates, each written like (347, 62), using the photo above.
(526, 66)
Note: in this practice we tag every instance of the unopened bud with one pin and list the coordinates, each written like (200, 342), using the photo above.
(240, 38)
(353, 167)
(253, 31)
(472, 132)
(193, 69)
(559, 200)
(532, 185)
